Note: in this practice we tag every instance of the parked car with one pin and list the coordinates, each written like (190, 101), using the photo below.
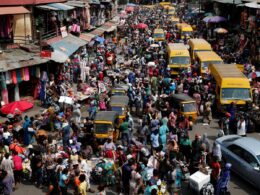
(244, 155)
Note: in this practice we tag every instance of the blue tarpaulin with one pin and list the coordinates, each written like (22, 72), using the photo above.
(65, 47)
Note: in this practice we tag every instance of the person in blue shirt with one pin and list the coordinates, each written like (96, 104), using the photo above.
(63, 181)
(163, 130)
(155, 139)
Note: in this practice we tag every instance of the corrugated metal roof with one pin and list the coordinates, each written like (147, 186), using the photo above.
(18, 58)
(66, 46)
(46, 7)
(28, 2)
(61, 6)
(77, 3)
(87, 36)
(97, 32)
(13, 10)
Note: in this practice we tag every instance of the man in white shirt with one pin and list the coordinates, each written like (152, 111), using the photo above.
(241, 127)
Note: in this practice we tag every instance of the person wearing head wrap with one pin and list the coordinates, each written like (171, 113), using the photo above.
(216, 151)
(205, 141)
(223, 180)
(163, 130)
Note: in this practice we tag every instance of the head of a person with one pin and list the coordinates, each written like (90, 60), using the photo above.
(65, 171)
(82, 178)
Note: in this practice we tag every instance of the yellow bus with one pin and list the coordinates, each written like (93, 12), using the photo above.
(204, 59)
(158, 35)
(185, 30)
(178, 58)
(231, 86)
(197, 45)
(164, 4)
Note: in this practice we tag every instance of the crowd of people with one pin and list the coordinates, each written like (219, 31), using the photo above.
(153, 154)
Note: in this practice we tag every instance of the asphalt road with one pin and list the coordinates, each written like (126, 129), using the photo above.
(237, 185)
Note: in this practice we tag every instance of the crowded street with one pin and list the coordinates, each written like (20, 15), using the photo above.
(152, 98)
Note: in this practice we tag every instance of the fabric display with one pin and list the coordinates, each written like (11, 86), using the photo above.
(2, 81)
(38, 72)
(26, 74)
(13, 76)
(8, 78)
(19, 75)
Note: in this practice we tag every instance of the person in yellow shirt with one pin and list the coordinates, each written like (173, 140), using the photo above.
(83, 186)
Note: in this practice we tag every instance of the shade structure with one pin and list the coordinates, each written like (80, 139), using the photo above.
(15, 147)
(12, 108)
(141, 26)
(221, 30)
(214, 19)
(254, 5)
(129, 9)
(13, 10)
(254, 75)
(100, 39)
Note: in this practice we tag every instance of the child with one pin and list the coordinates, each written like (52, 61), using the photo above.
(101, 190)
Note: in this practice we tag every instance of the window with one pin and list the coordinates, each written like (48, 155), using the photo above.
(205, 65)
(180, 60)
(250, 159)
(236, 93)
(119, 110)
(158, 35)
(236, 150)
(189, 107)
(102, 128)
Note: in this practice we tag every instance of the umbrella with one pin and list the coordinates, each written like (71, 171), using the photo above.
(208, 14)
(151, 64)
(221, 30)
(141, 26)
(100, 39)
(154, 45)
(129, 9)
(197, 11)
(255, 5)
(131, 4)
(217, 19)
(17, 148)
(11, 108)
(254, 75)
(206, 19)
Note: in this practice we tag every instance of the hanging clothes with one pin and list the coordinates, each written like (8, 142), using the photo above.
(26, 74)
(16, 92)
(5, 98)
(14, 78)
(38, 72)
(8, 78)
(2, 81)
(18, 75)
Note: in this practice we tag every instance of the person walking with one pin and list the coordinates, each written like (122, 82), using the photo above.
(241, 127)
(83, 186)
(18, 167)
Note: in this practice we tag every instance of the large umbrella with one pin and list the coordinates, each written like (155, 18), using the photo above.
(221, 30)
(100, 39)
(12, 108)
(15, 147)
(254, 75)
(141, 26)
(255, 5)
(206, 19)
(129, 9)
(217, 19)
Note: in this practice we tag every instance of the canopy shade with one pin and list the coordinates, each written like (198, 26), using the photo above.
(13, 10)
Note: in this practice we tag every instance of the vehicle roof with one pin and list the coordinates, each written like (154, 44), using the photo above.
(227, 71)
(119, 99)
(165, 3)
(106, 116)
(250, 144)
(208, 56)
(182, 97)
(186, 27)
(175, 19)
(199, 44)
(158, 30)
(177, 46)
